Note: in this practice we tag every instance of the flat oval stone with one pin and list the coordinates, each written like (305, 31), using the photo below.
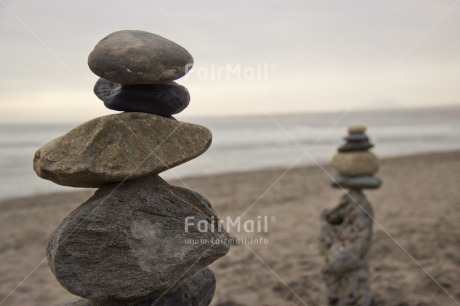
(355, 146)
(356, 163)
(357, 182)
(131, 240)
(132, 57)
(119, 147)
(160, 99)
(356, 138)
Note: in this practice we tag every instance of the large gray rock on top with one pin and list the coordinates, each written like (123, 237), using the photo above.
(128, 241)
(136, 57)
(119, 147)
(197, 290)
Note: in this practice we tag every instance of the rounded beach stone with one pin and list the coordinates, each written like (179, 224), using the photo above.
(132, 57)
(357, 129)
(119, 147)
(129, 242)
(356, 163)
(160, 99)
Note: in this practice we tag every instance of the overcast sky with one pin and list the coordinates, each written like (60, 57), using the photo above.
(251, 57)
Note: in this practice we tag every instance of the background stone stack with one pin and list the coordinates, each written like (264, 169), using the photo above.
(127, 245)
(346, 231)
(354, 163)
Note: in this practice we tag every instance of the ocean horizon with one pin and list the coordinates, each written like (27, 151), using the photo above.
(251, 142)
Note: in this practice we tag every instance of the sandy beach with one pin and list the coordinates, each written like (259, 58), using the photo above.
(415, 257)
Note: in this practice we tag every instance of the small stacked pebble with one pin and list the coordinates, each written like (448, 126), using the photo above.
(355, 164)
(346, 230)
(128, 244)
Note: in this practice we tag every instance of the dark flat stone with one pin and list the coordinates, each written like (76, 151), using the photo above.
(136, 57)
(160, 99)
(358, 182)
(356, 138)
(355, 146)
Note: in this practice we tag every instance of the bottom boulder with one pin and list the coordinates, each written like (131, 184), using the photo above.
(130, 239)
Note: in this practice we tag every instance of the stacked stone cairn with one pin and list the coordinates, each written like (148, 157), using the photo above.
(128, 244)
(355, 164)
(346, 231)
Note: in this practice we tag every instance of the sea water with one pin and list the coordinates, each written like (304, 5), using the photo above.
(246, 143)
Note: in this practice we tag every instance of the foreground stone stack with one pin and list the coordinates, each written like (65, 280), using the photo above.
(127, 245)
(346, 231)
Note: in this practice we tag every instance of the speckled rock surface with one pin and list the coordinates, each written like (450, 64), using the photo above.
(345, 239)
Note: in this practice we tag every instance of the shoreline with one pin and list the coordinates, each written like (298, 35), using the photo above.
(250, 144)
(447, 107)
(416, 212)
(218, 174)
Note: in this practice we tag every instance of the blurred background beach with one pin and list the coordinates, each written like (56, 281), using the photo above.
(277, 83)
(252, 142)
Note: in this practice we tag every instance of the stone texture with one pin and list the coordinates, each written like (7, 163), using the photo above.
(357, 129)
(356, 163)
(345, 240)
(358, 182)
(136, 57)
(117, 147)
(128, 241)
(160, 99)
(197, 290)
